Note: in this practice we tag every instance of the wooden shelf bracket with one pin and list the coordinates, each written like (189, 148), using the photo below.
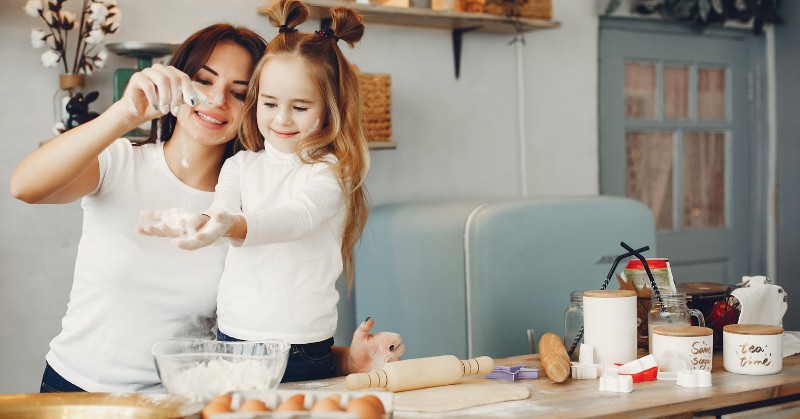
(458, 33)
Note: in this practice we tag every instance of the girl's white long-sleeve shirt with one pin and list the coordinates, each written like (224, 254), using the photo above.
(280, 282)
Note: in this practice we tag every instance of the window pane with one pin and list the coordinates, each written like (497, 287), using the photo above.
(711, 94)
(703, 180)
(640, 90)
(676, 92)
(648, 173)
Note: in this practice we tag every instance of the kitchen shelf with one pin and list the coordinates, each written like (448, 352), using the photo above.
(457, 22)
(419, 17)
(382, 145)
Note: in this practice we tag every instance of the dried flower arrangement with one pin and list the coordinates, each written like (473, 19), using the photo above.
(98, 18)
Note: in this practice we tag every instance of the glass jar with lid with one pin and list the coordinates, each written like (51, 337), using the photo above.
(670, 310)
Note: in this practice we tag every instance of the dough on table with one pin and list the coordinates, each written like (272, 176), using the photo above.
(468, 393)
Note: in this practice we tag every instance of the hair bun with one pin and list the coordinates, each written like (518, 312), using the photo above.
(348, 25)
(286, 15)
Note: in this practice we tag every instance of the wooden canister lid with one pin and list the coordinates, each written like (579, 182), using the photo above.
(684, 331)
(609, 293)
(753, 329)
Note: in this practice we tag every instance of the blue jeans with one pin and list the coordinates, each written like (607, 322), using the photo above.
(309, 361)
(53, 382)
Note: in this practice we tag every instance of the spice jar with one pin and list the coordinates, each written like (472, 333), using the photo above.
(679, 348)
(752, 349)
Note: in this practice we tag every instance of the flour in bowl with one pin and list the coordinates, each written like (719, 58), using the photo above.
(218, 376)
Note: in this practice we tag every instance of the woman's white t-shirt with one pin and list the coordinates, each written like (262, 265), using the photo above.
(131, 291)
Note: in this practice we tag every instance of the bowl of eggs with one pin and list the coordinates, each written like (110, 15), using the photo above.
(200, 369)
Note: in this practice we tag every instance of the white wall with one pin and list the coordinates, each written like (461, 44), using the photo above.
(456, 138)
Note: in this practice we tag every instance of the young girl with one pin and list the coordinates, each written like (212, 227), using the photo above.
(294, 204)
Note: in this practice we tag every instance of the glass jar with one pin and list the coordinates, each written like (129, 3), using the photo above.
(573, 324)
(68, 86)
(671, 310)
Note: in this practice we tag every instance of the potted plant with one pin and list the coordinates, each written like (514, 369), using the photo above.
(702, 14)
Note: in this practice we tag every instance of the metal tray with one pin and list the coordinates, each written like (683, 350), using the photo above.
(97, 405)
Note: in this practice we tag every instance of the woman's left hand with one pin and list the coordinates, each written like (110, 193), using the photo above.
(171, 223)
(372, 351)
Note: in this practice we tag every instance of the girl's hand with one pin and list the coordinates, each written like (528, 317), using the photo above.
(157, 90)
(173, 223)
(369, 352)
(213, 230)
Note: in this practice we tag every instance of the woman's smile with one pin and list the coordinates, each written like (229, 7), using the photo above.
(210, 120)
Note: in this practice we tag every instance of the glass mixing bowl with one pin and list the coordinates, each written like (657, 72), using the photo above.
(201, 369)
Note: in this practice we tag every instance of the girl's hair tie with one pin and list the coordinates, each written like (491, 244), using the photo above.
(327, 32)
(285, 29)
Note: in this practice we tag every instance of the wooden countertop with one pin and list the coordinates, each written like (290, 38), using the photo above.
(581, 398)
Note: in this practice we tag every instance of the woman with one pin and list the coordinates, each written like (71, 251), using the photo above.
(130, 291)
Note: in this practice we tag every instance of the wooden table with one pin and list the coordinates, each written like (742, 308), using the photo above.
(581, 398)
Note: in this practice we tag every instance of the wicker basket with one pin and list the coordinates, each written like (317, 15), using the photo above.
(376, 107)
(534, 9)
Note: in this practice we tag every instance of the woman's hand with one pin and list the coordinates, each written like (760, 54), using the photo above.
(372, 351)
(157, 90)
(173, 223)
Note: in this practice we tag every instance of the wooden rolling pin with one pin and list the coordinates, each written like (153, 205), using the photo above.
(555, 360)
(412, 374)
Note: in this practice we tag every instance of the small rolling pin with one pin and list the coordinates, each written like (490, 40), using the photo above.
(412, 374)
(555, 360)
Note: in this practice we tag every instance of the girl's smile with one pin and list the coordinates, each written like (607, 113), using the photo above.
(286, 135)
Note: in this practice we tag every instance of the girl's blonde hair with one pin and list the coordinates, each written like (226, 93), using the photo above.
(341, 132)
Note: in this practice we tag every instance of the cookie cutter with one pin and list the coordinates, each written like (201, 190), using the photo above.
(616, 383)
(694, 378)
(513, 373)
(642, 369)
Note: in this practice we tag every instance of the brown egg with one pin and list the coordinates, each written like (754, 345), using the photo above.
(214, 407)
(292, 404)
(328, 404)
(253, 405)
(375, 402)
(223, 398)
(364, 409)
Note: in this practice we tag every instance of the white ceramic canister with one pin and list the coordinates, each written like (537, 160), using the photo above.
(679, 348)
(752, 349)
(609, 322)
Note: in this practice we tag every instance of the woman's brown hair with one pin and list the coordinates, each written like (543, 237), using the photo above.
(341, 133)
(190, 56)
